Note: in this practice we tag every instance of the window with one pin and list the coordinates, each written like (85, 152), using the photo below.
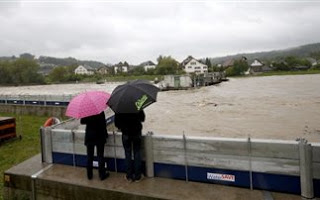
(193, 63)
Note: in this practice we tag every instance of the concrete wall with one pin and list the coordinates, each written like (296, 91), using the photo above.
(56, 111)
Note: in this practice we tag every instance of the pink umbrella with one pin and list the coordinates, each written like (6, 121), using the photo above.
(87, 104)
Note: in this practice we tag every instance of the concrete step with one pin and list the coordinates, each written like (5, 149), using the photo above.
(56, 181)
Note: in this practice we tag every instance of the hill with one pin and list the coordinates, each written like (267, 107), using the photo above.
(299, 51)
(68, 61)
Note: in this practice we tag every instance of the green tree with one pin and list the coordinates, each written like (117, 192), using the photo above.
(315, 55)
(167, 65)
(27, 56)
(5, 72)
(281, 66)
(59, 74)
(238, 68)
(137, 71)
(25, 71)
(208, 63)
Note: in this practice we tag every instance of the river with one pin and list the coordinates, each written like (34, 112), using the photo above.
(273, 107)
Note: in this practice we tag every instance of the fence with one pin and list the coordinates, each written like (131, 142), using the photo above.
(275, 165)
(41, 100)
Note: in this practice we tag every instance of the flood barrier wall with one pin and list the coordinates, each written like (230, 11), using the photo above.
(274, 165)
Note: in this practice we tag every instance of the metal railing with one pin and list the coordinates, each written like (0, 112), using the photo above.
(40, 100)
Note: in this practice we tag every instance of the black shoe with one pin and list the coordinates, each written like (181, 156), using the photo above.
(89, 175)
(128, 179)
(104, 176)
(138, 179)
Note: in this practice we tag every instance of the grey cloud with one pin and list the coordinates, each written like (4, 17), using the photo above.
(135, 31)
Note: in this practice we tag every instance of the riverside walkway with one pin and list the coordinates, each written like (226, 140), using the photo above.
(33, 179)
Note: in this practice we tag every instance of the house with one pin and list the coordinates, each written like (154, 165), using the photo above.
(191, 65)
(256, 67)
(121, 67)
(312, 61)
(148, 65)
(104, 70)
(230, 62)
(84, 69)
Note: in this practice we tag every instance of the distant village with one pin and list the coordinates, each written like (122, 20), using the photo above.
(26, 69)
(189, 65)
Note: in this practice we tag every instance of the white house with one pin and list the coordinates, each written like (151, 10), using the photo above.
(84, 69)
(148, 65)
(122, 68)
(191, 65)
(256, 63)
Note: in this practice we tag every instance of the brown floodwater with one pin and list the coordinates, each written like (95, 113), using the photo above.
(274, 107)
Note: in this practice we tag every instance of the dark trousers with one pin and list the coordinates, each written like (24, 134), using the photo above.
(101, 161)
(133, 167)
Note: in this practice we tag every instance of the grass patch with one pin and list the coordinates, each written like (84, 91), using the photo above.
(13, 152)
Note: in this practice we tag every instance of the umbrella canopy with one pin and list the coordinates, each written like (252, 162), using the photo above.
(87, 104)
(133, 96)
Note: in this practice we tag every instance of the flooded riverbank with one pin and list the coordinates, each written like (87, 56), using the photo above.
(275, 107)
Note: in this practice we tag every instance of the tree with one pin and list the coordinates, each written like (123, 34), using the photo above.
(167, 65)
(281, 66)
(27, 56)
(238, 68)
(5, 72)
(137, 70)
(59, 74)
(20, 71)
(208, 63)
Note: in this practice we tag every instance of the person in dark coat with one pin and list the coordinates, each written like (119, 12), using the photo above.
(130, 125)
(95, 136)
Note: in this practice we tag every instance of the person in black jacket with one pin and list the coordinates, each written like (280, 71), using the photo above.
(96, 135)
(130, 125)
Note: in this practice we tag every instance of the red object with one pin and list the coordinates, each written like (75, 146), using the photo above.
(7, 127)
(51, 121)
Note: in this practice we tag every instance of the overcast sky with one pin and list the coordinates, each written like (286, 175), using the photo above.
(137, 31)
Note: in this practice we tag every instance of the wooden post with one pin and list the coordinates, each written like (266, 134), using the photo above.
(148, 147)
(306, 175)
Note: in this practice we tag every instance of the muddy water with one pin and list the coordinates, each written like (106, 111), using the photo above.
(276, 107)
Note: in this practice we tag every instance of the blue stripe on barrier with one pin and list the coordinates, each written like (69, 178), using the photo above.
(169, 171)
(276, 182)
(316, 187)
(110, 120)
(62, 158)
(81, 161)
(14, 101)
(220, 176)
(265, 181)
(57, 103)
(201, 174)
(34, 102)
